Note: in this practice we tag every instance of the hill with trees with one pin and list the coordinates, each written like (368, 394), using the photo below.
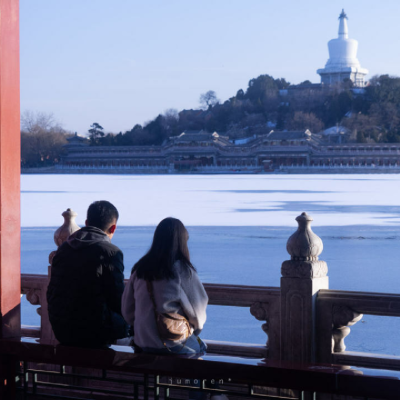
(372, 113)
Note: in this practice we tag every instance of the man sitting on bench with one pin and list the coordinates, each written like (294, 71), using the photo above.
(86, 284)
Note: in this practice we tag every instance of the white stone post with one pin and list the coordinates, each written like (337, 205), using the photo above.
(60, 236)
(302, 277)
(64, 231)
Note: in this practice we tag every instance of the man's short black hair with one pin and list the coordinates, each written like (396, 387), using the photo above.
(102, 214)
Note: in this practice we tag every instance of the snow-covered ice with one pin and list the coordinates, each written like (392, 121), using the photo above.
(216, 200)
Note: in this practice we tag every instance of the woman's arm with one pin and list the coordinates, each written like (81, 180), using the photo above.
(194, 300)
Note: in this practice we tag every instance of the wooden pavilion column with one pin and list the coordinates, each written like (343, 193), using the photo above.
(10, 271)
(10, 160)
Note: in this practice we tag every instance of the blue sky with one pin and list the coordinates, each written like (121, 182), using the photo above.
(122, 62)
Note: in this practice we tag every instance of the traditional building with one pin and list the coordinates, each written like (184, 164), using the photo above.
(343, 63)
(201, 151)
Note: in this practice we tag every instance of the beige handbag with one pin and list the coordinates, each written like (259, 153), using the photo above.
(170, 326)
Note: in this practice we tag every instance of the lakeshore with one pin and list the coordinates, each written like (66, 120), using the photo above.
(298, 170)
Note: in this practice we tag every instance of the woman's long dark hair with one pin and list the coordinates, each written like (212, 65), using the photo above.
(169, 245)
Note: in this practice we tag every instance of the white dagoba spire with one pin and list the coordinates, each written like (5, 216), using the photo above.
(343, 30)
(343, 63)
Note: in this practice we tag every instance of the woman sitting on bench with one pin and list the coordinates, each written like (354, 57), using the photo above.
(164, 300)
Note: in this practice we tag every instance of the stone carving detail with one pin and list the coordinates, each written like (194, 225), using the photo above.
(342, 318)
(304, 247)
(304, 269)
(33, 296)
(65, 230)
(304, 244)
(260, 312)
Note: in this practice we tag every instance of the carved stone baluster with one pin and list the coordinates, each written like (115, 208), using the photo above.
(342, 318)
(33, 296)
(60, 236)
(302, 277)
(65, 230)
(260, 312)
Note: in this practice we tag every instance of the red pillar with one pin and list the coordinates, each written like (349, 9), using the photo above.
(10, 271)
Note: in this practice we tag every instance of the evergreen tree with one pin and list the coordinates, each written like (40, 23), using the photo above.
(96, 134)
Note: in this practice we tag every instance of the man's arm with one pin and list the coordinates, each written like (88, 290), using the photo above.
(113, 281)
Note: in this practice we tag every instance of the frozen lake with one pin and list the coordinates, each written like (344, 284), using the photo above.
(217, 200)
(238, 229)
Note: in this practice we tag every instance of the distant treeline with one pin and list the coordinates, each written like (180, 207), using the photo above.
(372, 116)
(42, 140)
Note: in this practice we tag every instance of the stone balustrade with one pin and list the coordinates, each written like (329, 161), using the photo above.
(304, 321)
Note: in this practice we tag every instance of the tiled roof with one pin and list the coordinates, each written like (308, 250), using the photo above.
(192, 132)
(200, 136)
(288, 135)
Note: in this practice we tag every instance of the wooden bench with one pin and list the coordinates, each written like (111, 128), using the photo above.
(116, 361)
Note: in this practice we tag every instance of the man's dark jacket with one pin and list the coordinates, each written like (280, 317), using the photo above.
(85, 290)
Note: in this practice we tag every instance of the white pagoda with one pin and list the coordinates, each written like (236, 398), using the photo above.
(343, 63)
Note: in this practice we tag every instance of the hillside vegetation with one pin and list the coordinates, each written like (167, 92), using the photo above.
(373, 115)
(267, 103)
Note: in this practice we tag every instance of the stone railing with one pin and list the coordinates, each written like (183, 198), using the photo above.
(304, 320)
(337, 311)
(263, 304)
